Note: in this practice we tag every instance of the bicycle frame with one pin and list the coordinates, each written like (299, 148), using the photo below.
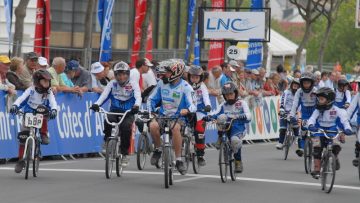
(31, 137)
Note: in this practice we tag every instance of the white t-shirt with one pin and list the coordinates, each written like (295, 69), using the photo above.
(149, 79)
(135, 76)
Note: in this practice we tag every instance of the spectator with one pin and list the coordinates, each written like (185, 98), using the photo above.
(82, 79)
(235, 75)
(262, 78)
(242, 85)
(30, 66)
(297, 73)
(149, 78)
(252, 85)
(142, 66)
(57, 84)
(283, 82)
(272, 86)
(317, 76)
(16, 68)
(5, 85)
(70, 70)
(214, 85)
(226, 73)
(43, 63)
(309, 68)
(97, 73)
(337, 67)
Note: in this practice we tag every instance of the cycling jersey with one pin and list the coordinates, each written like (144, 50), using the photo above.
(306, 101)
(202, 100)
(342, 98)
(31, 99)
(286, 101)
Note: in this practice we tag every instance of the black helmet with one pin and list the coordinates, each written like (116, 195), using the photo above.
(294, 81)
(122, 67)
(329, 94)
(307, 77)
(343, 83)
(176, 67)
(228, 88)
(39, 75)
(196, 70)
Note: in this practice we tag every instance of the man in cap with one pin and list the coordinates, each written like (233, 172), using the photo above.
(5, 85)
(82, 79)
(43, 63)
(142, 67)
(57, 84)
(31, 65)
(227, 71)
(97, 73)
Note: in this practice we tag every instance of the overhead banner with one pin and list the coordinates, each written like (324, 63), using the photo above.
(42, 29)
(234, 25)
(216, 51)
(105, 8)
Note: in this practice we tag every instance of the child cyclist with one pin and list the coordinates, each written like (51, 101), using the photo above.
(234, 108)
(353, 109)
(306, 99)
(124, 95)
(286, 102)
(343, 95)
(37, 94)
(327, 116)
(203, 106)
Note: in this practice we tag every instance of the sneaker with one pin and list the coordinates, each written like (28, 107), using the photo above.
(355, 162)
(19, 166)
(279, 146)
(201, 161)
(315, 174)
(45, 139)
(337, 167)
(180, 167)
(238, 166)
(155, 157)
(124, 161)
(300, 152)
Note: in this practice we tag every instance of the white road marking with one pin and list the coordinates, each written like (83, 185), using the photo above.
(195, 176)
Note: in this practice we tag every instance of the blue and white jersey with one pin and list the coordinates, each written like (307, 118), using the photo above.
(307, 102)
(233, 111)
(342, 98)
(172, 98)
(31, 99)
(331, 119)
(354, 108)
(122, 98)
(202, 100)
(287, 100)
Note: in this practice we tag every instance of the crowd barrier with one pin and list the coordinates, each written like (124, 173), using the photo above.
(78, 130)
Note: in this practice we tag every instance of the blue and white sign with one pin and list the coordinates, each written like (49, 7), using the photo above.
(234, 25)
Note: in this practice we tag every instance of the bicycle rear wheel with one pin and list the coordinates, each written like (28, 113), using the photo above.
(287, 143)
(110, 157)
(167, 172)
(36, 161)
(185, 152)
(119, 167)
(141, 152)
(233, 174)
(195, 164)
(28, 157)
(328, 172)
(223, 158)
(308, 159)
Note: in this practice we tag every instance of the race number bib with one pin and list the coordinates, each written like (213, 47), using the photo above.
(34, 121)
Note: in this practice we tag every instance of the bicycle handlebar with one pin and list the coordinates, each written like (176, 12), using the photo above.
(326, 132)
(113, 113)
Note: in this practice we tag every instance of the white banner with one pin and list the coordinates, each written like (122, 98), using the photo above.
(234, 25)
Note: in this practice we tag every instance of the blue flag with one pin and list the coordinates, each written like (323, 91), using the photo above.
(8, 5)
(191, 13)
(105, 8)
(254, 57)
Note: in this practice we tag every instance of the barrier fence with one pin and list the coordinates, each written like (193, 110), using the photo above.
(78, 130)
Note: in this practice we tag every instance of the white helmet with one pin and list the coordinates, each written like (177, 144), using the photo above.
(122, 67)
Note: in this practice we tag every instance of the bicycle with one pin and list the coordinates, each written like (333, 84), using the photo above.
(186, 149)
(289, 138)
(328, 161)
(32, 151)
(113, 145)
(144, 147)
(308, 150)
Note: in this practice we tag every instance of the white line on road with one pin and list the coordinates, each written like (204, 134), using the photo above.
(188, 179)
(196, 176)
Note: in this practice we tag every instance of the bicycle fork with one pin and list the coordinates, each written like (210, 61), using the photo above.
(31, 137)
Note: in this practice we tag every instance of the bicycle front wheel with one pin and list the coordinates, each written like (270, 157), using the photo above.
(223, 158)
(110, 157)
(328, 172)
(141, 152)
(186, 152)
(308, 159)
(196, 167)
(287, 143)
(233, 174)
(28, 154)
(36, 161)
(167, 172)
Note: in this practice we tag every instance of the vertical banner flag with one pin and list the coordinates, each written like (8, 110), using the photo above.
(105, 8)
(42, 29)
(254, 57)
(216, 51)
(140, 11)
(8, 5)
(191, 13)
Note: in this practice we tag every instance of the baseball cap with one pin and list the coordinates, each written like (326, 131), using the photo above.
(234, 63)
(147, 62)
(254, 71)
(42, 61)
(31, 55)
(97, 67)
(4, 59)
(232, 69)
(72, 65)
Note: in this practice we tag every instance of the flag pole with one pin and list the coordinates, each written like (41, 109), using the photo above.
(11, 14)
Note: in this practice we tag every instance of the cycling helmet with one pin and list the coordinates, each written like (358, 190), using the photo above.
(329, 94)
(196, 70)
(122, 67)
(306, 77)
(343, 83)
(294, 81)
(228, 88)
(39, 75)
(176, 67)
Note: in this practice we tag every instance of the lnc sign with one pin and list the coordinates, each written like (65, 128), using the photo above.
(233, 25)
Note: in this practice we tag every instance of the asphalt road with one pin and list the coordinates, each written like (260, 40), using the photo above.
(266, 178)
